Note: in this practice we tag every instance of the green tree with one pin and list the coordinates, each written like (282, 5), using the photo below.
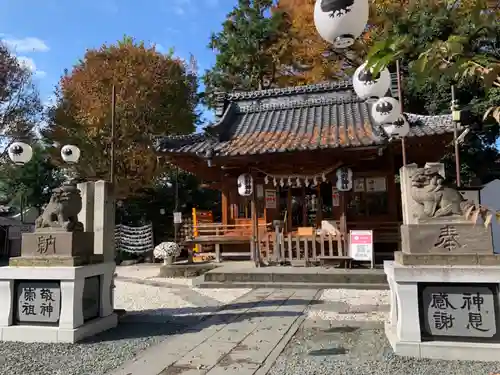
(30, 185)
(155, 95)
(464, 42)
(250, 48)
(147, 206)
(414, 36)
(20, 106)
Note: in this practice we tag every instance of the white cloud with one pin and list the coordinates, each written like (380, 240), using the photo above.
(182, 7)
(160, 48)
(179, 10)
(28, 44)
(29, 63)
(50, 101)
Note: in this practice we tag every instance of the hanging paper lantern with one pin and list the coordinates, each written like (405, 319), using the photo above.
(20, 153)
(298, 182)
(340, 22)
(245, 185)
(282, 182)
(368, 86)
(266, 180)
(306, 182)
(398, 129)
(289, 181)
(386, 110)
(315, 180)
(275, 183)
(323, 177)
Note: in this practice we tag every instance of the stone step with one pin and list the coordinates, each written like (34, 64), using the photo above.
(285, 275)
(290, 285)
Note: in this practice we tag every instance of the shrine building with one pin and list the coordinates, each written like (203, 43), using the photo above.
(292, 141)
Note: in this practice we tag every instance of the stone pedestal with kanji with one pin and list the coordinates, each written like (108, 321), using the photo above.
(444, 312)
(60, 289)
(445, 281)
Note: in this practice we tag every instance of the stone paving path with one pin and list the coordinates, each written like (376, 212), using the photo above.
(244, 338)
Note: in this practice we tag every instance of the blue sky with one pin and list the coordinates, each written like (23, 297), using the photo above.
(52, 35)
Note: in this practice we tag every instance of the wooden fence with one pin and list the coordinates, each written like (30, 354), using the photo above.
(314, 247)
(290, 248)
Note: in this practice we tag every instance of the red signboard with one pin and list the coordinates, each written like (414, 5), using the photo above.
(361, 245)
(361, 238)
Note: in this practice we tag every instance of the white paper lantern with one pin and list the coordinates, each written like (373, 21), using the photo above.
(386, 110)
(70, 154)
(340, 22)
(398, 129)
(367, 86)
(245, 185)
(20, 153)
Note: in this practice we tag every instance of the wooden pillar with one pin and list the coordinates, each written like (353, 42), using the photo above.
(392, 192)
(343, 220)
(304, 207)
(289, 210)
(225, 202)
(319, 207)
(255, 228)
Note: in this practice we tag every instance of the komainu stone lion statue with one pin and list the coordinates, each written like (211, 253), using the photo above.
(436, 199)
(61, 213)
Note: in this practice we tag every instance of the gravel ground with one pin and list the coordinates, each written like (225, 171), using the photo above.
(156, 313)
(361, 348)
(343, 304)
(343, 334)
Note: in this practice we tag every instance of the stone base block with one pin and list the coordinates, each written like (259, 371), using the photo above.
(446, 259)
(447, 350)
(55, 261)
(31, 334)
(446, 237)
(56, 304)
(57, 243)
(185, 270)
(414, 327)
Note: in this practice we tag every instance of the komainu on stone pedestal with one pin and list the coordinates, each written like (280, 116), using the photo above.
(59, 239)
(445, 233)
(61, 213)
(435, 199)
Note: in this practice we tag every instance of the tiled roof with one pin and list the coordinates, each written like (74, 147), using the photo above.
(328, 115)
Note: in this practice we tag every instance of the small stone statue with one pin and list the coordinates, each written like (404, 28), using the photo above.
(437, 200)
(61, 213)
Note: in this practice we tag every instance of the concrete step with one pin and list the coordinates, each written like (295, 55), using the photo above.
(290, 285)
(285, 275)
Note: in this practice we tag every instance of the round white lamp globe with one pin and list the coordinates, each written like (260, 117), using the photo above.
(340, 22)
(20, 153)
(70, 154)
(386, 110)
(368, 86)
(398, 129)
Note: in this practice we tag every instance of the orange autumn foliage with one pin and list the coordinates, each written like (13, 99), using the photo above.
(314, 55)
(155, 95)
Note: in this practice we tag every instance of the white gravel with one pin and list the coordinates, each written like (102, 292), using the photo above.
(357, 349)
(347, 304)
(338, 340)
(155, 313)
(146, 299)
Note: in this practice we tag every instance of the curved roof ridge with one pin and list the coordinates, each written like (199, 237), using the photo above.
(294, 90)
(257, 107)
